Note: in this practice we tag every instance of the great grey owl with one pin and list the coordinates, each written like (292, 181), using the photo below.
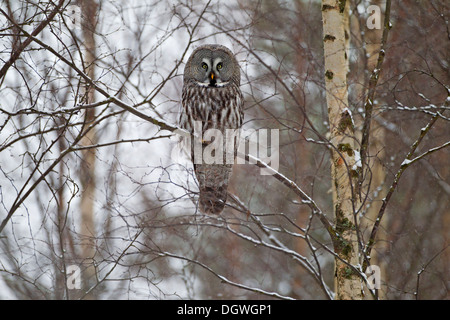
(212, 99)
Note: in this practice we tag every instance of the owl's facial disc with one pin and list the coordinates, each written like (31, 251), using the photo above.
(212, 76)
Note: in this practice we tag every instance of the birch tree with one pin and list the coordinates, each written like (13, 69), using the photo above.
(344, 167)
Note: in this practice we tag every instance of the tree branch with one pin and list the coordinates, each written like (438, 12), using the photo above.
(368, 106)
(224, 279)
(109, 99)
(405, 164)
(17, 52)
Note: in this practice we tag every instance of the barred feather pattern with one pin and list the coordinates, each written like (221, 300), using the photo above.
(217, 108)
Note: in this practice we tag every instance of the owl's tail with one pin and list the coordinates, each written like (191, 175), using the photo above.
(213, 185)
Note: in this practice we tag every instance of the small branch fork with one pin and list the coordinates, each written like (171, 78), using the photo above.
(409, 160)
(368, 106)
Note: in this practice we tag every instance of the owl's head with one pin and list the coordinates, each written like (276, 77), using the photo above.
(213, 66)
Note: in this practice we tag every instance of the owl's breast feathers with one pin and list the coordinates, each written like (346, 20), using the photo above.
(216, 107)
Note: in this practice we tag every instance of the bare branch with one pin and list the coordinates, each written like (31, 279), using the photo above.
(405, 164)
(368, 106)
(18, 51)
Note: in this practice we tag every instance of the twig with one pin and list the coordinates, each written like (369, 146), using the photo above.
(368, 106)
(224, 279)
(405, 164)
(278, 244)
(297, 190)
(109, 99)
(17, 52)
(416, 293)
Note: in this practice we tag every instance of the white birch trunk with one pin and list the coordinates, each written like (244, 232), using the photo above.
(344, 173)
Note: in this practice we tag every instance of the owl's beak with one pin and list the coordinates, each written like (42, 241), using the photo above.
(212, 81)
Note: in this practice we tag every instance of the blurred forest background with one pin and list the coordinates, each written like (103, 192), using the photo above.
(89, 178)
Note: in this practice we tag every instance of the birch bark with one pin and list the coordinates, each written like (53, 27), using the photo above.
(344, 166)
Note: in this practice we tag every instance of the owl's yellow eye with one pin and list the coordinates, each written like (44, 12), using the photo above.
(204, 66)
(219, 66)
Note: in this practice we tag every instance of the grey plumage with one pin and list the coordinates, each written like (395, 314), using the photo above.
(211, 96)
